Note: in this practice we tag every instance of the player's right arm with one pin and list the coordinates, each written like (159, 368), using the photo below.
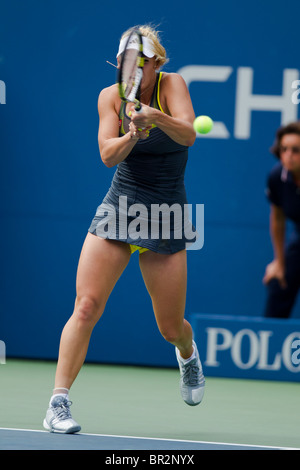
(113, 149)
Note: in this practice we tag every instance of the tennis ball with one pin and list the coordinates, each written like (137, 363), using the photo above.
(203, 124)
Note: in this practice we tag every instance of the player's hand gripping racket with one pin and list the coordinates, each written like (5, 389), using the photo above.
(131, 70)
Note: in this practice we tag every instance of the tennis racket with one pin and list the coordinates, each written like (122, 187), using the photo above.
(131, 70)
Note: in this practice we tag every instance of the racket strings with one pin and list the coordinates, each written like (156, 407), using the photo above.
(130, 74)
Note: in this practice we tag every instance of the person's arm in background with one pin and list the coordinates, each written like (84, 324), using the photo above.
(276, 269)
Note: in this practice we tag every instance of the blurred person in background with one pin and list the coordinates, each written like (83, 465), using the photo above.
(282, 275)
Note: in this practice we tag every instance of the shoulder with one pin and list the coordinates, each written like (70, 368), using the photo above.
(109, 96)
(275, 173)
(274, 185)
(172, 79)
(173, 89)
(109, 93)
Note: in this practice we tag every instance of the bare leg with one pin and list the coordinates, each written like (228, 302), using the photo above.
(165, 277)
(100, 266)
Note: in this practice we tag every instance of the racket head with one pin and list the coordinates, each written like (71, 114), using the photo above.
(131, 69)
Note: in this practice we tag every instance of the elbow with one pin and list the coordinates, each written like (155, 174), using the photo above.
(191, 140)
(107, 159)
(107, 162)
(105, 156)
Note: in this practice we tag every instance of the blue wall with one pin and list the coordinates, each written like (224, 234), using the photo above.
(53, 62)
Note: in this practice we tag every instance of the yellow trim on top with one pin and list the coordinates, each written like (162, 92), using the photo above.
(158, 92)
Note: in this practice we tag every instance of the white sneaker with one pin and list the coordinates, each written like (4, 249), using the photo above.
(192, 381)
(58, 417)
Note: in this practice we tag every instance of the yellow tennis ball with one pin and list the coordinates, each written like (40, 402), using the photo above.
(203, 124)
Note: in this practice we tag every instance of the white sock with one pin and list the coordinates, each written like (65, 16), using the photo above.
(64, 394)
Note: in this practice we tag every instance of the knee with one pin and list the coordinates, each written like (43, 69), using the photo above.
(87, 310)
(171, 335)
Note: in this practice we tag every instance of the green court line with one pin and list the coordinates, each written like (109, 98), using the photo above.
(146, 402)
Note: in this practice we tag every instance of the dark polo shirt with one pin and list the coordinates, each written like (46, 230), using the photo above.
(283, 192)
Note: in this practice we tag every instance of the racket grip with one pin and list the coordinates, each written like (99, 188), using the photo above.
(138, 109)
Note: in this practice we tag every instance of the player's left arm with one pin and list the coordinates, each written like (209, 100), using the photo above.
(177, 121)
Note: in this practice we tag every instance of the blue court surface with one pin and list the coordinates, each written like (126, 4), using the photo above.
(28, 439)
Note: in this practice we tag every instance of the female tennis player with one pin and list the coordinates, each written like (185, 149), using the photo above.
(150, 149)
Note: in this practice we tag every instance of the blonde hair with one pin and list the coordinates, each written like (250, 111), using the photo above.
(150, 32)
